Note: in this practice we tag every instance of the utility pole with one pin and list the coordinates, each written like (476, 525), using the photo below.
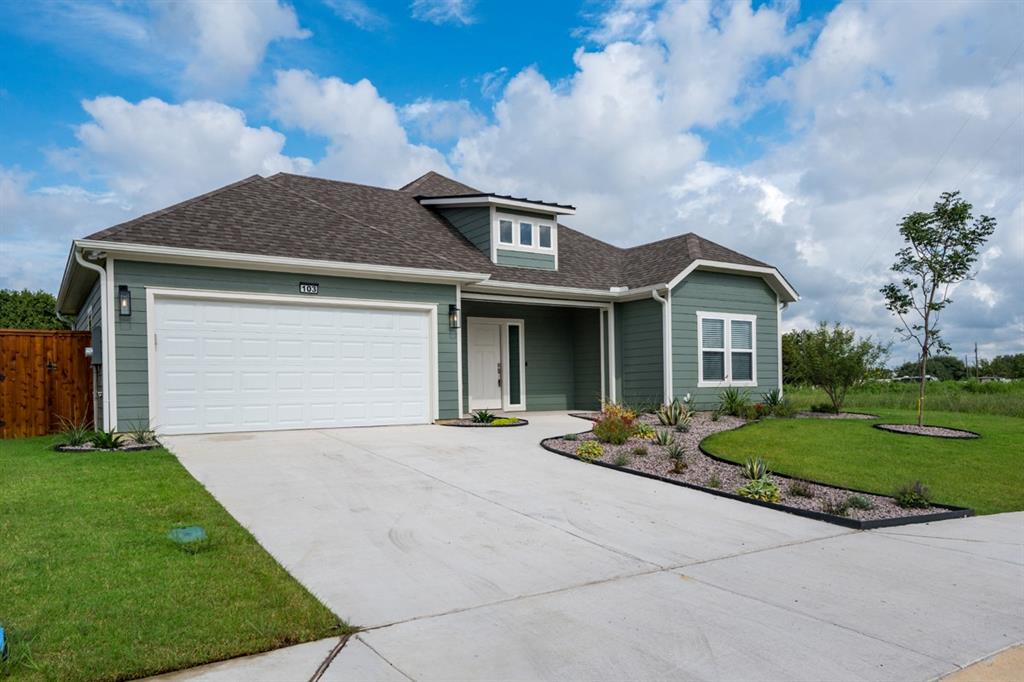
(977, 372)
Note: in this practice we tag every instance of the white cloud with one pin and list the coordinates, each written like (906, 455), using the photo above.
(435, 120)
(359, 13)
(366, 141)
(443, 11)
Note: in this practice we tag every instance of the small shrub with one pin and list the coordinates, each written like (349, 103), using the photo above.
(914, 495)
(616, 424)
(837, 507)
(503, 421)
(644, 431)
(664, 437)
(107, 440)
(749, 413)
(734, 401)
(716, 415)
(755, 468)
(676, 451)
(624, 412)
(640, 451)
(590, 451)
(800, 489)
(621, 459)
(772, 399)
(714, 481)
(570, 436)
(684, 424)
(483, 417)
(75, 430)
(761, 489)
(784, 410)
(860, 502)
(142, 434)
(678, 466)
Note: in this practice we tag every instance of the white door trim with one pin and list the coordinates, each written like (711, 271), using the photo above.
(504, 323)
(152, 293)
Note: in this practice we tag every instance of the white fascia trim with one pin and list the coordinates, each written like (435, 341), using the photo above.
(231, 259)
(540, 291)
(561, 302)
(104, 331)
(727, 349)
(498, 202)
(774, 278)
(152, 293)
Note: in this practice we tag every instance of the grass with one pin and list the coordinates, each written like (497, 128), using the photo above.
(91, 588)
(1005, 399)
(986, 474)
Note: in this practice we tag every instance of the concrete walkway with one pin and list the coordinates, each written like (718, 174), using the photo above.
(475, 554)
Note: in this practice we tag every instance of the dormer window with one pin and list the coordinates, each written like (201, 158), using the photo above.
(505, 231)
(526, 234)
(544, 240)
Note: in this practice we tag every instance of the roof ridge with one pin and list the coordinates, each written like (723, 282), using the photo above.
(333, 181)
(382, 230)
(145, 217)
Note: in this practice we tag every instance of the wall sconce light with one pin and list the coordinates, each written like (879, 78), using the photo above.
(124, 301)
(453, 316)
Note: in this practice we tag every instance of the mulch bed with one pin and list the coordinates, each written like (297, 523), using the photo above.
(835, 415)
(933, 431)
(702, 468)
(469, 423)
(129, 446)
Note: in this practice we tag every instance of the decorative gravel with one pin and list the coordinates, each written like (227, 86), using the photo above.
(472, 424)
(835, 415)
(700, 468)
(935, 431)
(128, 446)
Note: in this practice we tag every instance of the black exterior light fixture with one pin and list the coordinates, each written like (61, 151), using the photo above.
(453, 316)
(124, 301)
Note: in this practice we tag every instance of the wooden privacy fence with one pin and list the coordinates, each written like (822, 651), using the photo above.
(44, 376)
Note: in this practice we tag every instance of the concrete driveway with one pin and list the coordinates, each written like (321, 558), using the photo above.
(475, 554)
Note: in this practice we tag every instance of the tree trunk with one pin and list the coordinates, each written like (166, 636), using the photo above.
(924, 375)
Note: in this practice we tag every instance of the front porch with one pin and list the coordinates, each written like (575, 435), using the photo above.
(534, 356)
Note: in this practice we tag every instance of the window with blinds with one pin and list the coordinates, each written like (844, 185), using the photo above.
(726, 352)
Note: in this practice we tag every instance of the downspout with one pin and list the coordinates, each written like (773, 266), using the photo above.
(104, 332)
(666, 340)
(778, 341)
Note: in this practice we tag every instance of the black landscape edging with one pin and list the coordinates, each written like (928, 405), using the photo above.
(521, 422)
(952, 513)
(974, 435)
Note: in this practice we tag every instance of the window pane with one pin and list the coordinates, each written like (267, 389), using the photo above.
(545, 236)
(742, 334)
(713, 333)
(742, 366)
(526, 234)
(514, 396)
(505, 229)
(714, 366)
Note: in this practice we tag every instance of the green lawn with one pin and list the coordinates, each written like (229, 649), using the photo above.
(91, 589)
(986, 474)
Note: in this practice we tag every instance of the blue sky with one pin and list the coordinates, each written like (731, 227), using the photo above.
(797, 132)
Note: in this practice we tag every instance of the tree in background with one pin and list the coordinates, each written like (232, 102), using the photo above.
(1006, 366)
(942, 367)
(834, 359)
(790, 371)
(28, 310)
(942, 247)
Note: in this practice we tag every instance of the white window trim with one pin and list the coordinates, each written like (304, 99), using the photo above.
(535, 247)
(728, 350)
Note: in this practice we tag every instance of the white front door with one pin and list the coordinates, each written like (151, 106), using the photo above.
(484, 341)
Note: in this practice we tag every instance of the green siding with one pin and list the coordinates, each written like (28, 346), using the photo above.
(554, 374)
(639, 347)
(473, 223)
(522, 259)
(722, 293)
(130, 333)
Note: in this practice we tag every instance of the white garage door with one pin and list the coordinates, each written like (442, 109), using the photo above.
(239, 366)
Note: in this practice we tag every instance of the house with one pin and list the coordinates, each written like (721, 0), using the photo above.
(296, 302)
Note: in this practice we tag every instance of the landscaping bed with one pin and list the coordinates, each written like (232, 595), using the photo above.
(926, 430)
(835, 415)
(704, 471)
(498, 423)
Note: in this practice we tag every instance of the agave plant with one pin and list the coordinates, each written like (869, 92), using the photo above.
(75, 430)
(663, 437)
(734, 402)
(676, 451)
(673, 413)
(772, 399)
(483, 417)
(755, 468)
(107, 440)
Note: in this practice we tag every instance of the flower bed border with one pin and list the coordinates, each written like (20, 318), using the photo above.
(974, 435)
(808, 414)
(64, 447)
(952, 513)
(521, 422)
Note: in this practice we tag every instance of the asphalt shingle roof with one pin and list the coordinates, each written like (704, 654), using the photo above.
(303, 217)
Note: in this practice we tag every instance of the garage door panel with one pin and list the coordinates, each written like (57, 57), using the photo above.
(234, 366)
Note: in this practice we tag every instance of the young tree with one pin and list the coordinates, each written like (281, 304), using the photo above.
(834, 360)
(28, 310)
(942, 247)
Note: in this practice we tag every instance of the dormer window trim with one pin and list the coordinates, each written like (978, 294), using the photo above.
(523, 238)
